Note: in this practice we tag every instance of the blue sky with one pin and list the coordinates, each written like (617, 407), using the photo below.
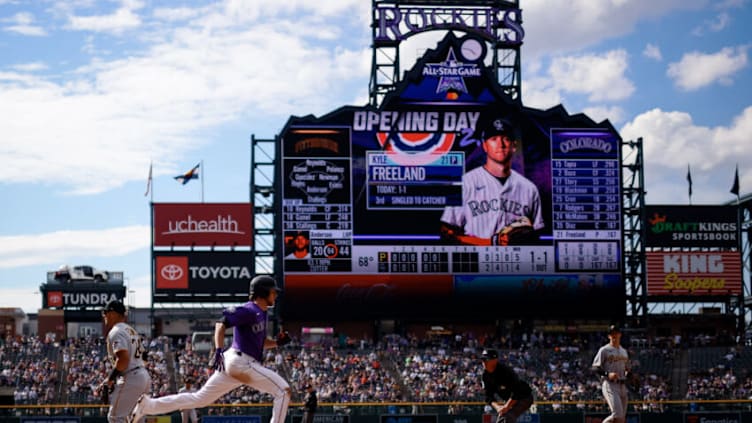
(92, 92)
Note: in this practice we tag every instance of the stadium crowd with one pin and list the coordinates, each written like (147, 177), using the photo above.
(393, 369)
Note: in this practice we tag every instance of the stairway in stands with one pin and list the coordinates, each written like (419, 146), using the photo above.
(679, 376)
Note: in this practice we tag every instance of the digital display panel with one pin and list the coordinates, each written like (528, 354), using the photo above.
(451, 200)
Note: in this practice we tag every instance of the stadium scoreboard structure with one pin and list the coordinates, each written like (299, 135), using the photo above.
(364, 191)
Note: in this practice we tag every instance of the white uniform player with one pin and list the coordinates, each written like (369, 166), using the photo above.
(494, 196)
(488, 206)
(129, 378)
(611, 362)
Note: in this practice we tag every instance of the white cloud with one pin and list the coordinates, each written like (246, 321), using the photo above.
(122, 19)
(696, 70)
(560, 26)
(59, 247)
(652, 51)
(671, 140)
(600, 76)
(715, 25)
(614, 114)
(154, 102)
(30, 67)
(23, 23)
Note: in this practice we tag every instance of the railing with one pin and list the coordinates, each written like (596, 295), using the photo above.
(458, 408)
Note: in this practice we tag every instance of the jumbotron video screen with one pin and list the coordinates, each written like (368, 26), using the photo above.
(450, 200)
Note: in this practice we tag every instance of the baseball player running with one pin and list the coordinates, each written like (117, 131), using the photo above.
(611, 363)
(499, 205)
(241, 364)
(129, 378)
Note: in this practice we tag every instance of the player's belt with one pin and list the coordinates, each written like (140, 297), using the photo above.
(133, 369)
(242, 354)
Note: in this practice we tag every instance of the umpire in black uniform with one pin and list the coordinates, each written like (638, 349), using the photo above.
(509, 395)
(310, 402)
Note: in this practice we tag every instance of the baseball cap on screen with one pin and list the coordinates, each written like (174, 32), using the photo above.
(499, 126)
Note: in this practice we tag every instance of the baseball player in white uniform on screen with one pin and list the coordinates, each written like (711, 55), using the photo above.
(499, 205)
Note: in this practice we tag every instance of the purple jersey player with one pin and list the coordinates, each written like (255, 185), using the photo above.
(495, 198)
(240, 365)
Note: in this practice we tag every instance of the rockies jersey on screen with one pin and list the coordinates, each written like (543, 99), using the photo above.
(124, 337)
(488, 206)
(249, 328)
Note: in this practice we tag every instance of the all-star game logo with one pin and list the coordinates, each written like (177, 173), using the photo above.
(451, 73)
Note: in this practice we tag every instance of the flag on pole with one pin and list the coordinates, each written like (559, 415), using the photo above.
(148, 181)
(187, 176)
(735, 186)
(689, 181)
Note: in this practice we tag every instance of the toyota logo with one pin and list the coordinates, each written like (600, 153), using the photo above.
(172, 272)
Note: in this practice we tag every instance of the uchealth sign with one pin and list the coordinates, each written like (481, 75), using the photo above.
(203, 272)
(202, 224)
(694, 273)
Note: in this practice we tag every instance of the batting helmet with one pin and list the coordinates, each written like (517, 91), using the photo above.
(262, 285)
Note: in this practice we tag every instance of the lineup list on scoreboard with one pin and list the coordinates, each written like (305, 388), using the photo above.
(586, 203)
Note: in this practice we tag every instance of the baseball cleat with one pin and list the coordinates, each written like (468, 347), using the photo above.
(138, 410)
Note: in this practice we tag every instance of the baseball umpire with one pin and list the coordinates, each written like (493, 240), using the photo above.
(509, 395)
(611, 365)
(241, 364)
(499, 205)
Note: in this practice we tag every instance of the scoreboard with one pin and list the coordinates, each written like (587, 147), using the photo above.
(365, 193)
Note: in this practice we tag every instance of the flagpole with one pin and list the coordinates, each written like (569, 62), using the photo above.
(203, 170)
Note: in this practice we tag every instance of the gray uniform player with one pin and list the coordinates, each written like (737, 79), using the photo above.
(241, 364)
(129, 378)
(611, 363)
(495, 198)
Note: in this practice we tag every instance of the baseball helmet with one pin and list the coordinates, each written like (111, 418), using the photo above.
(116, 306)
(262, 285)
(614, 329)
(500, 126)
(489, 354)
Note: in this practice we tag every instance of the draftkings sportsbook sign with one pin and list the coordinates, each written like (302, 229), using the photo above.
(692, 226)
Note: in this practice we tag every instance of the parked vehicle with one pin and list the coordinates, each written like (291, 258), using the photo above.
(68, 274)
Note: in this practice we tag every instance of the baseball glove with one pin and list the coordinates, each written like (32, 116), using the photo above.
(515, 233)
(283, 338)
(217, 360)
(104, 392)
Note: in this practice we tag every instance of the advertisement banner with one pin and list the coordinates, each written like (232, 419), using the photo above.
(692, 226)
(202, 224)
(188, 273)
(231, 419)
(694, 273)
(713, 417)
(322, 418)
(600, 417)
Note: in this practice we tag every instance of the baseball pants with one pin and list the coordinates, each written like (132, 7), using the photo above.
(240, 369)
(615, 394)
(127, 390)
(517, 409)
